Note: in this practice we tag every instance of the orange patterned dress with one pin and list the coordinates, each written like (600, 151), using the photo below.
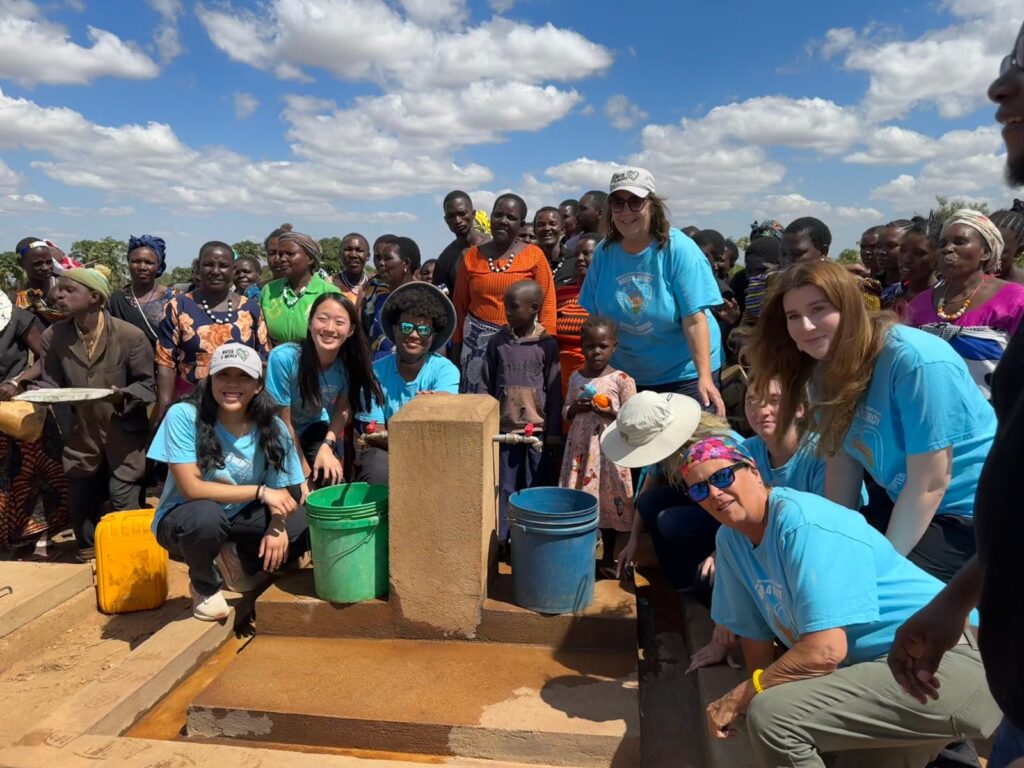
(188, 336)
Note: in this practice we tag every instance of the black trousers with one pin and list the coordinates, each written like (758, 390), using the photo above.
(197, 530)
(87, 495)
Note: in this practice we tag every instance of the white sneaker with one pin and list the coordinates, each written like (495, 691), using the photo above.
(210, 608)
(235, 577)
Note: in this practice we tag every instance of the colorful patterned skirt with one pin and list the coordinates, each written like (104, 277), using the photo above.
(33, 488)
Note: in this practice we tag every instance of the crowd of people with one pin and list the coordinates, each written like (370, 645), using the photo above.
(842, 518)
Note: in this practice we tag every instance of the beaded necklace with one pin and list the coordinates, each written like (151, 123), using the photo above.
(954, 316)
(209, 312)
(499, 270)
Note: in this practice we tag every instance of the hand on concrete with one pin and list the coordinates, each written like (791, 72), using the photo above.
(711, 654)
(722, 714)
(626, 557)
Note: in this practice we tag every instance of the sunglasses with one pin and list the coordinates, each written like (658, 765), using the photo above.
(618, 204)
(722, 479)
(1016, 59)
(424, 331)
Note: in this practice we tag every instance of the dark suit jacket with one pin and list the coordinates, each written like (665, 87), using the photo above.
(115, 430)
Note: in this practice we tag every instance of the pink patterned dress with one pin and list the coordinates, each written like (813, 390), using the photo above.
(584, 467)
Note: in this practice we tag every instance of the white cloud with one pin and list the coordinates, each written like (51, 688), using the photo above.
(149, 162)
(960, 164)
(245, 104)
(432, 13)
(817, 124)
(947, 68)
(358, 40)
(501, 6)
(892, 145)
(119, 210)
(837, 41)
(59, 60)
(10, 180)
(623, 113)
(23, 204)
(168, 43)
(857, 214)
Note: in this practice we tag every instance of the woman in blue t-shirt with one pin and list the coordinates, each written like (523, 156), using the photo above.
(894, 401)
(314, 383)
(230, 505)
(418, 320)
(658, 287)
(797, 570)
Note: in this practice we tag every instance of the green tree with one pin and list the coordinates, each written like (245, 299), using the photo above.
(849, 256)
(945, 207)
(248, 248)
(332, 254)
(110, 252)
(177, 276)
(742, 243)
(11, 273)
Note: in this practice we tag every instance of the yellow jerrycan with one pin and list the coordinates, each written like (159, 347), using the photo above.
(131, 568)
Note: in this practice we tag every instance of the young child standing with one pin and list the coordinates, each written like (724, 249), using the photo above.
(595, 394)
(521, 370)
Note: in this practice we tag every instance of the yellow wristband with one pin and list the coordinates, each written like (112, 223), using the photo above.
(756, 680)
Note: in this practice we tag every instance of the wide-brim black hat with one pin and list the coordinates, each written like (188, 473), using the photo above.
(389, 313)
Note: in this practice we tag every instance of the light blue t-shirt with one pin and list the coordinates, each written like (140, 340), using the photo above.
(648, 294)
(283, 386)
(819, 566)
(805, 470)
(177, 442)
(921, 399)
(438, 374)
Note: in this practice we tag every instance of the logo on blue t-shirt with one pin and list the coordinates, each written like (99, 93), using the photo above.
(633, 295)
(770, 593)
(237, 467)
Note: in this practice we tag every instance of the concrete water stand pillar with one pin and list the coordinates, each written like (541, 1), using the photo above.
(442, 511)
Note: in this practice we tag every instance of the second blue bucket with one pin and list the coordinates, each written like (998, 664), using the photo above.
(553, 547)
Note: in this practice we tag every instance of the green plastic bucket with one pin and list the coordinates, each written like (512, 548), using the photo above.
(348, 536)
(350, 558)
(347, 501)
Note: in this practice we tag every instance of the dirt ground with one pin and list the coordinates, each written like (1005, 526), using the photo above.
(82, 644)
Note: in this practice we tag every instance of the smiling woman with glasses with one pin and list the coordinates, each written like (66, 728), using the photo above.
(796, 567)
(418, 320)
(658, 287)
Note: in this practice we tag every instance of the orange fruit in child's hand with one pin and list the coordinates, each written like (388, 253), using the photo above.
(602, 401)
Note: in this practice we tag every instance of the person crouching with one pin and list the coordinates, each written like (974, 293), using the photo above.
(232, 492)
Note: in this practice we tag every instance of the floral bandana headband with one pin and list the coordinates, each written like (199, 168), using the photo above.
(716, 447)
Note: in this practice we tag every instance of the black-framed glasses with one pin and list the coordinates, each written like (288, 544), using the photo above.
(721, 479)
(424, 331)
(636, 204)
(1016, 58)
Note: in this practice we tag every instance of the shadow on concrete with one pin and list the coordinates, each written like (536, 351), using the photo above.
(137, 627)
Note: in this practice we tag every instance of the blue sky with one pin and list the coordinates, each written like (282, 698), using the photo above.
(222, 119)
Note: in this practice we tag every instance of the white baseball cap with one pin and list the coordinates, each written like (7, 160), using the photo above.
(649, 428)
(235, 355)
(639, 181)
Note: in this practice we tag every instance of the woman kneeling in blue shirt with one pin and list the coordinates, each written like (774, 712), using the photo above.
(891, 400)
(234, 483)
(796, 566)
(419, 320)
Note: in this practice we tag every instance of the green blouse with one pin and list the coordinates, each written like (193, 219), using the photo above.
(285, 313)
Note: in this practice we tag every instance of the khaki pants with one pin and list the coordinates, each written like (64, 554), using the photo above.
(859, 716)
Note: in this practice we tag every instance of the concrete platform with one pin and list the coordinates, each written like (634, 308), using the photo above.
(290, 608)
(37, 587)
(475, 700)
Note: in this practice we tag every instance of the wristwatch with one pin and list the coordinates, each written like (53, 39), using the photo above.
(332, 444)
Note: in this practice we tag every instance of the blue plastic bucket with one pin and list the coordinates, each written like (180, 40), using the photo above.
(553, 547)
